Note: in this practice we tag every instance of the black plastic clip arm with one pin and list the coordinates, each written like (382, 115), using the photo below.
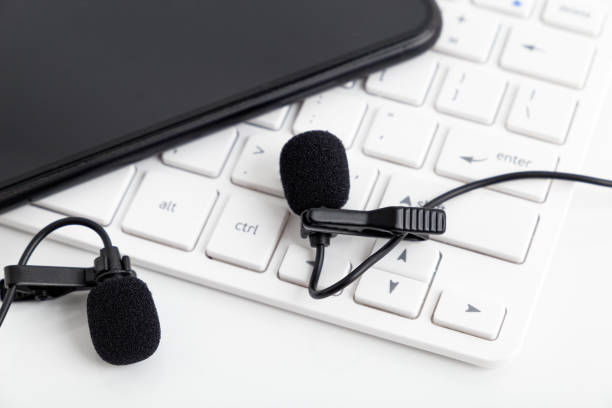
(414, 222)
(36, 282)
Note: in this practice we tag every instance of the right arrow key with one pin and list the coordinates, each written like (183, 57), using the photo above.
(465, 313)
(471, 309)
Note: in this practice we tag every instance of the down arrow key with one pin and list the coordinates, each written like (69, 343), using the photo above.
(392, 286)
(391, 293)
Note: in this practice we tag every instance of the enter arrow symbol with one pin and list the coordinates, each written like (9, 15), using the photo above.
(471, 159)
(532, 47)
(259, 150)
(472, 309)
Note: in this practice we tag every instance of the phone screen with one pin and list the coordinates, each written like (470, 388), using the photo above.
(78, 76)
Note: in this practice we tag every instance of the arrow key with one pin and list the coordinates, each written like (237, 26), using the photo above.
(471, 315)
(415, 260)
(471, 309)
(297, 266)
(392, 285)
(391, 293)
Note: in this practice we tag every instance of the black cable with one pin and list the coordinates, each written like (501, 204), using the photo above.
(7, 302)
(436, 202)
(38, 238)
(353, 275)
(466, 188)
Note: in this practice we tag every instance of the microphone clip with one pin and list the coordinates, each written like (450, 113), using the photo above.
(416, 223)
(41, 282)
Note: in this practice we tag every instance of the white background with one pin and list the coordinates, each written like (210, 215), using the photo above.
(221, 350)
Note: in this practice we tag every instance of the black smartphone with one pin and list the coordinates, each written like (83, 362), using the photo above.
(86, 86)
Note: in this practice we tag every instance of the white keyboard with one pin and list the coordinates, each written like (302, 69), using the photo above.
(511, 85)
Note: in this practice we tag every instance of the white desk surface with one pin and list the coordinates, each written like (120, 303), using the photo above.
(219, 350)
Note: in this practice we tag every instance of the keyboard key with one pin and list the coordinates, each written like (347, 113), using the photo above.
(391, 293)
(549, 55)
(582, 16)
(483, 221)
(258, 165)
(520, 8)
(171, 208)
(297, 266)
(97, 199)
(335, 111)
(272, 120)
(400, 136)
(471, 94)
(468, 156)
(472, 315)
(467, 34)
(414, 260)
(407, 82)
(542, 112)
(206, 155)
(363, 177)
(247, 233)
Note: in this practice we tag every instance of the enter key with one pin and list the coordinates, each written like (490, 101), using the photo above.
(468, 156)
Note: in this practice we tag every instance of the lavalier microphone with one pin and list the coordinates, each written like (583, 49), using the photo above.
(315, 177)
(314, 171)
(316, 180)
(121, 314)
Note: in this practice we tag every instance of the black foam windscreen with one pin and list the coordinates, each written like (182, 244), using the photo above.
(314, 171)
(123, 320)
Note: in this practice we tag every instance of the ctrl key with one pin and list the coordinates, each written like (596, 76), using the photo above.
(475, 316)
(247, 233)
